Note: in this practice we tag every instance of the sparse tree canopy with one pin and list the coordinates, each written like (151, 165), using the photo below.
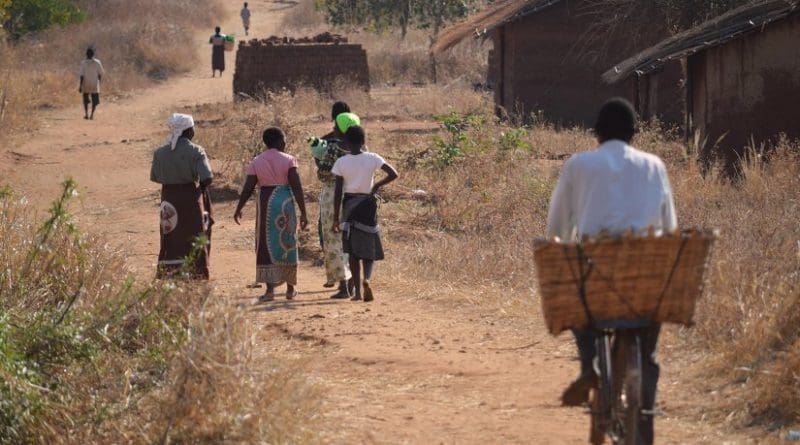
(380, 15)
(21, 17)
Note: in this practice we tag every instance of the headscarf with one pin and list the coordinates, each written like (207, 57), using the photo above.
(178, 123)
(346, 120)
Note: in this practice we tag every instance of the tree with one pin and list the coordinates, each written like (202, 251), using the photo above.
(26, 16)
(380, 15)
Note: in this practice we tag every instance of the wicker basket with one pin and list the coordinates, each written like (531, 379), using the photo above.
(627, 278)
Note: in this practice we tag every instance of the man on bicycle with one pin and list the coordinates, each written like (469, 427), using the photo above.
(613, 189)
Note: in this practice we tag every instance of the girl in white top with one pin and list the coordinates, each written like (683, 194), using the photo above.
(356, 190)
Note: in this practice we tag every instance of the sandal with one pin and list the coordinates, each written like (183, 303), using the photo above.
(291, 294)
(266, 298)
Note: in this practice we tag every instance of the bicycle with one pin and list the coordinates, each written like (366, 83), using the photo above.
(616, 406)
(635, 283)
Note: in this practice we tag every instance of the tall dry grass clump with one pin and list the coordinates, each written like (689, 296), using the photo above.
(89, 357)
(138, 41)
(751, 313)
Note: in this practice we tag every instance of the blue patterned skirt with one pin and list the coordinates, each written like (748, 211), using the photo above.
(276, 236)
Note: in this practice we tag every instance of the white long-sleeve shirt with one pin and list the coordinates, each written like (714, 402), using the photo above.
(613, 188)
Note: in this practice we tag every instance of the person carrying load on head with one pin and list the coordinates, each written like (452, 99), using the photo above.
(183, 170)
(613, 189)
(326, 151)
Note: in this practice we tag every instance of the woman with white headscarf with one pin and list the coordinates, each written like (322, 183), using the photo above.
(183, 170)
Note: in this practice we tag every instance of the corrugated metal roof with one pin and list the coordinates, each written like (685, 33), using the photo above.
(481, 24)
(718, 31)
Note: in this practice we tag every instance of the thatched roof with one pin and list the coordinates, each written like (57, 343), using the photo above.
(479, 25)
(718, 31)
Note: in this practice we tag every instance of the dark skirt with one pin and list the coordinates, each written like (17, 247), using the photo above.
(361, 237)
(218, 57)
(185, 231)
(276, 236)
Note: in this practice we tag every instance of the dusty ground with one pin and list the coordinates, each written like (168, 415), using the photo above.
(397, 371)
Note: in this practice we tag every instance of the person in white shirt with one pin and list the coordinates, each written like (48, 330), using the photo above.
(613, 189)
(245, 14)
(91, 74)
(356, 190)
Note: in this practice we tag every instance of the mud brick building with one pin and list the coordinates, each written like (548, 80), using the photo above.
(742, 78)
(543, 61)
(319, 62)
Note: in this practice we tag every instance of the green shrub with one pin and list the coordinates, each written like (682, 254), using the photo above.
(456, 143)
(26, 16)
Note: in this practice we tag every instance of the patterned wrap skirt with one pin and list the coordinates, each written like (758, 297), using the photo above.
(276, 236)
(185, 231)
(336, 265)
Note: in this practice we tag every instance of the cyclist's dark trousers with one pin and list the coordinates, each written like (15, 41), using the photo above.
(587, 349)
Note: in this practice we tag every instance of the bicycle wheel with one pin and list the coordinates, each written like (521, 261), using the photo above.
(602, 397)
(632, 388)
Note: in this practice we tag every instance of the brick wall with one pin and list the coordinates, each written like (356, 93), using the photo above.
(275, 64)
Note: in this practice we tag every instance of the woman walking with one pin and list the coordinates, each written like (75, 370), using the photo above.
(275, 173)
(326, 151)
(217, 42)
(356, 190)
(183, 170)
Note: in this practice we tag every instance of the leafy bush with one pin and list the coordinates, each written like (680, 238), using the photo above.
(456, 143)
(26, 16)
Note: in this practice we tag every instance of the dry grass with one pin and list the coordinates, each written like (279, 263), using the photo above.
(89, 357)
(138, 41)
(396, 61)
(474, 228)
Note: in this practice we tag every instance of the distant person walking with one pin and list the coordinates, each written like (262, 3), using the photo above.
(183, 170)
(91, 74)
(357, 193)
(245, 14)
(276, 175)
(326, 151)
(217, 42)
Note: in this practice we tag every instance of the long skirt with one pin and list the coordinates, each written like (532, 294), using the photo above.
(218, 57)
(336, 266)
(276, 236)
(185, 231)
(361, 236)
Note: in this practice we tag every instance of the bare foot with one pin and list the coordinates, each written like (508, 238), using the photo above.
(367, 292)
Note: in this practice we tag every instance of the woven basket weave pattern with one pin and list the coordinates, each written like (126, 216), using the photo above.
(631, 278)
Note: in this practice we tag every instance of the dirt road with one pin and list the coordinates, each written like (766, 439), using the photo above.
(398, 371)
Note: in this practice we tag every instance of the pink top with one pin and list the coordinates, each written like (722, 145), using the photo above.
(272, 168)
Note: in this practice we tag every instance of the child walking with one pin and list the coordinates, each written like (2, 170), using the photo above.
(356, 197)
